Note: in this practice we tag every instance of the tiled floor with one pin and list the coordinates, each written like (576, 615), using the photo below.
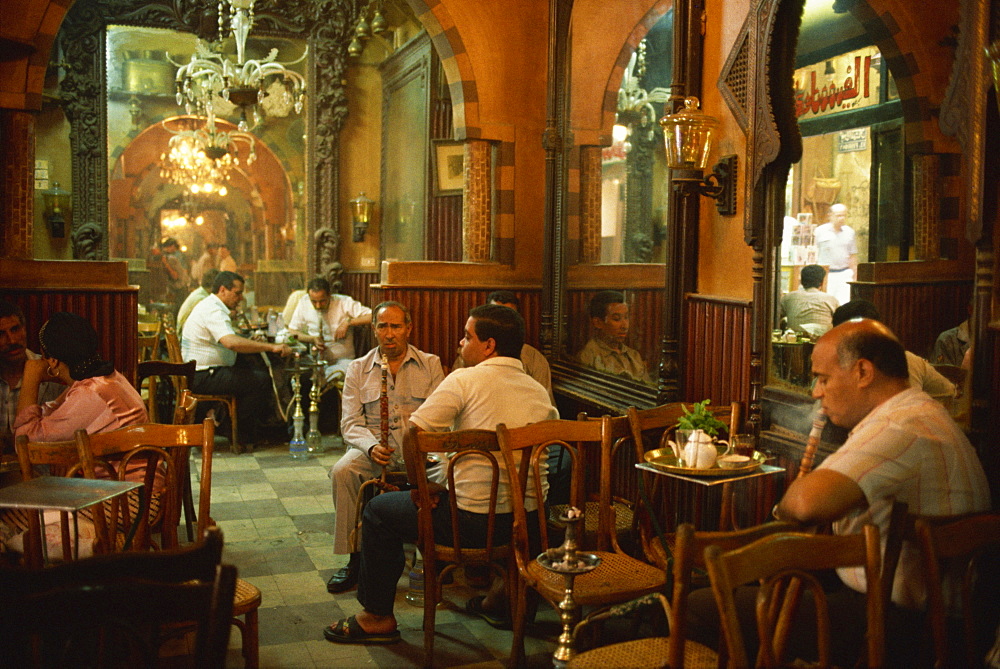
(276, 515)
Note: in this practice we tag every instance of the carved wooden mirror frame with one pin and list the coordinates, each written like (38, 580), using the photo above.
(325, 25)
(763, 106)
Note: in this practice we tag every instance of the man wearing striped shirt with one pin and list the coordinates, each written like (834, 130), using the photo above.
(903, 447)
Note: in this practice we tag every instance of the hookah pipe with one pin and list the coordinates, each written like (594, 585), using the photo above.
(812, 442)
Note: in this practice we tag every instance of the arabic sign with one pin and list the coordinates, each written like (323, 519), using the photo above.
(848, 81)
(855, 139)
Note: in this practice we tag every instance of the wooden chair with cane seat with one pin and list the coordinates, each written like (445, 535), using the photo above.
(174, 443)
(174, 354)
(782, 564)
(61, 457)
(962, 549)
(464, 447)
(621, 578)
(117, 610)
(609, 512)
(674, 650)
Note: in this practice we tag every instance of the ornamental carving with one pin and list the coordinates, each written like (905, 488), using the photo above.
(326, 26)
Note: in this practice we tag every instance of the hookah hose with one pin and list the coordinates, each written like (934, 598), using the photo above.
(383, 401)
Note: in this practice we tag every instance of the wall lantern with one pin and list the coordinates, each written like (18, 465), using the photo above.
(56, 200)
(361, 209)
(688, 137)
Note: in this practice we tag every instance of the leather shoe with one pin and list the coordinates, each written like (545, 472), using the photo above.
(344, 579)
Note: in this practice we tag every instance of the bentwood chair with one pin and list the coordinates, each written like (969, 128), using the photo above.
(960, 563)
(62, 458)
(117, 610)
(175, 356)
(782, 564)
(674, 650)
(621, 577)
(610, 500)
(172, 443)
(462, 448)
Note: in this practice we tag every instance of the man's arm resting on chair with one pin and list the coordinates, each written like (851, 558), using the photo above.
(243, 345)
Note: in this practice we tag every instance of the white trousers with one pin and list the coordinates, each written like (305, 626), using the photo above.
(349, 472)
(838, 286)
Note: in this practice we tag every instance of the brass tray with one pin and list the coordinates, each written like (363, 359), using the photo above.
(664, 459)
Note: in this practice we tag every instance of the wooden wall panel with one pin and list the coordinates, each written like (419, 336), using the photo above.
(918, 312)
(439, 314)
(113, 313)
(717, 350)
(444, 213)
(359, 286)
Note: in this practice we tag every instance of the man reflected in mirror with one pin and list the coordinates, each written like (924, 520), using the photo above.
(607, 351)
(838, 249)
(808, 310)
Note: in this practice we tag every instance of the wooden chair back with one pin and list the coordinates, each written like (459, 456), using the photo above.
(620, 577)
(61, 458)
(161, 446)
(965, 547)
(114, 610)
(181, 374)
(782, 563)
(460, 447)
(149, 340)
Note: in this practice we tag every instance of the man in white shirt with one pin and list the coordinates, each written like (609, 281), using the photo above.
(211, 341)
(324, 319)
(492, 389)
(837, 248)
(204, 263)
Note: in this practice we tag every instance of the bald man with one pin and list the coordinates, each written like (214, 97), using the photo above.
(837, 248)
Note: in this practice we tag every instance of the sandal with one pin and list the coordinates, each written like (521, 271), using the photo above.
(349, 630)
(475, 607)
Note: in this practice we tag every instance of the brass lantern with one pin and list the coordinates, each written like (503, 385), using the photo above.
(56, 201)
(361, 210)
(688, 136)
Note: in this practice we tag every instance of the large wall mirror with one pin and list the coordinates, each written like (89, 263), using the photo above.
(275, 205)
(870, 210)
(615, 242)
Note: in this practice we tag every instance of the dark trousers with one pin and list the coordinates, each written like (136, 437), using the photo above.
(389, 521)
(249, 383)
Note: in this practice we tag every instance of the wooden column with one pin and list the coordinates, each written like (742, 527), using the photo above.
(17, 193)
(590, 204)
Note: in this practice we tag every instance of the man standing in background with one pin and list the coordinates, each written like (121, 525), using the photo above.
(838, 249)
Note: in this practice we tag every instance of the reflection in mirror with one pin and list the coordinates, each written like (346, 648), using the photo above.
(608, 348)
(243, 193)
(843, 199)
(633, 169)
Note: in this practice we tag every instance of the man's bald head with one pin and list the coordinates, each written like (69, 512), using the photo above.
(869, 340)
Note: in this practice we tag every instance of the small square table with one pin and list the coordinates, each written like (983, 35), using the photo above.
(61, 493)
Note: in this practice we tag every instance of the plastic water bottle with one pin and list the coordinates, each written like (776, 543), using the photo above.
(415, 595)
(272, 323)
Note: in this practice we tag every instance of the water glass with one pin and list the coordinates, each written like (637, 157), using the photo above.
(744, 444)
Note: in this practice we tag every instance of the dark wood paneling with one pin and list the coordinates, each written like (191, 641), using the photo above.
(112, 312)
(439, 314)
(359, 286)
(444, 213)
(717, 350)
(918, 312)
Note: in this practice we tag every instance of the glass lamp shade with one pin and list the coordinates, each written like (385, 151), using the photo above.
(361, 208)
(688, 136)
(56, 199)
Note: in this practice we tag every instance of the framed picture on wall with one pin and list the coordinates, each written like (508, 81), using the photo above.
(449, 167)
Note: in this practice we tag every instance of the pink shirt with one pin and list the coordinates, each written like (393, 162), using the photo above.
(97, 404)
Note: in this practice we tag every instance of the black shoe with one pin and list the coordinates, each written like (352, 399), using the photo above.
(344, 579)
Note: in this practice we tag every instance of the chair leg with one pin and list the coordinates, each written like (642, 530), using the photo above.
(234, 444)
(431, 596)
(251, 650)
(517, 625)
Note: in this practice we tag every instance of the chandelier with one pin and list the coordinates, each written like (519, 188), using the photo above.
(211, 74)
(200, 159)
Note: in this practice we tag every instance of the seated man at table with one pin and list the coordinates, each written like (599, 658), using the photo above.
(922, 373)
(412, 377)
(607, 351)
(211, 341)
(902, 447)
(479, 396)
(324, 319)
(809, 310)
(14, 354)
